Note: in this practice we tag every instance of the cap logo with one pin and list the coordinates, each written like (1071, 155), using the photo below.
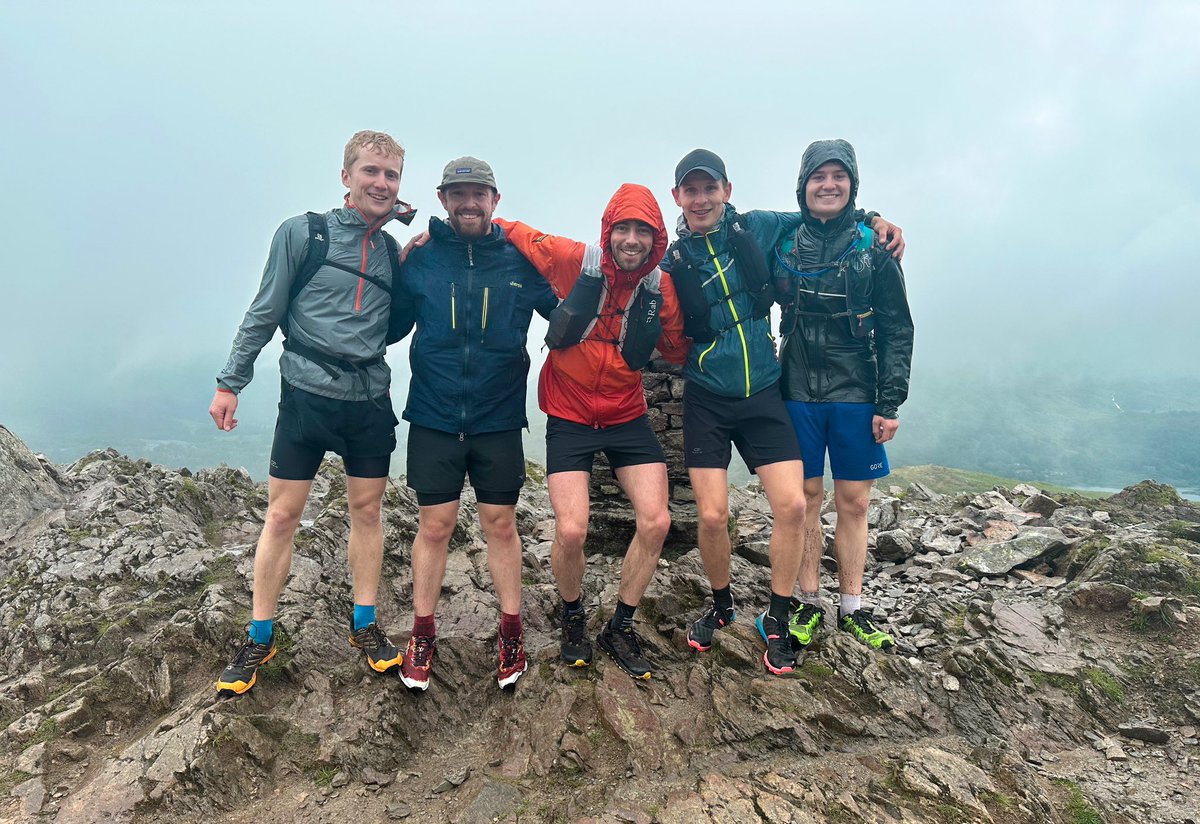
(463, 170)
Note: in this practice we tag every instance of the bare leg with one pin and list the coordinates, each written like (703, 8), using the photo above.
(569, 497)
(814, 536)
(783, 482)
(273, 556)
(711, 487)
(435, 525)
(499, 524)
(646, 486)
(365, 554)
(851, 498)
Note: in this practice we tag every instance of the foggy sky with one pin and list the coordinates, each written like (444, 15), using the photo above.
(1040, 157)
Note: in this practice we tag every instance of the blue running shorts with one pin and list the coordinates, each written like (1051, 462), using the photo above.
(844, 429)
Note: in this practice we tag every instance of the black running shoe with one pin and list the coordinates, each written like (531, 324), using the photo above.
(242, 671)
(382, 655)
(860, 625)
(624, 647)
(780, 658)
(700, 634)
(576, 648)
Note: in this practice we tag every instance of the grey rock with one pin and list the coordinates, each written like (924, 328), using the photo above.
(495, 801)
(1145, 732)
(1030, 544)
(894, 545)
(1041, 505)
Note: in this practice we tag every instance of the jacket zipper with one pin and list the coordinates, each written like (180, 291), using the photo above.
(466, 343)
(483, 327)
(733, 311)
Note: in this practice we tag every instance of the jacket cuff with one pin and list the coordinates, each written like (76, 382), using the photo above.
(226, 389)
(889, 412)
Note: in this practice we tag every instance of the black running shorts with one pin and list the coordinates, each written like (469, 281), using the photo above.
(439, 461)
(570, 446)
(362, 432)
(758, 426)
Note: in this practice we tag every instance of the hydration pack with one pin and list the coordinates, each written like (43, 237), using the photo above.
(314, 258)
(641, 326)
(854, 263)
(753, 272)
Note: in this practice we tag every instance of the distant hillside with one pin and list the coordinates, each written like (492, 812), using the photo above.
(949, 481)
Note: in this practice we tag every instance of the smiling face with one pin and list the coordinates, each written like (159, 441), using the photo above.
(631, 243)
(469, 206)
(827, 190)
(374, 181)
(702, 199)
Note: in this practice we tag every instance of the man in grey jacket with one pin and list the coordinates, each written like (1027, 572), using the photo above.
(334, 386)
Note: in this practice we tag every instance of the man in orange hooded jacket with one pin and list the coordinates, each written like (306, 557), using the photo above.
(594, 402)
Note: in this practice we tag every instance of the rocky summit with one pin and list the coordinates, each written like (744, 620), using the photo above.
(1047, 668)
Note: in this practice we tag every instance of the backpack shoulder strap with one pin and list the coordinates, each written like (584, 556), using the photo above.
(314, 258)
(393, 251)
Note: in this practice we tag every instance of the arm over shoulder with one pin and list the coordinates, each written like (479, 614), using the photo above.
(557, 259)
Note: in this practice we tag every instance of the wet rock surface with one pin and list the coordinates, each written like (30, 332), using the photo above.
(1028, 689)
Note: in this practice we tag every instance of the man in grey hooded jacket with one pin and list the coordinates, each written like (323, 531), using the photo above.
(335, 392)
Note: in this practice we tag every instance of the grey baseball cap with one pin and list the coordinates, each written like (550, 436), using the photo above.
(467, 170)
(700, 160)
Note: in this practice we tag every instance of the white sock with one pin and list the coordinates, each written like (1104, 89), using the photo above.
(848, 603)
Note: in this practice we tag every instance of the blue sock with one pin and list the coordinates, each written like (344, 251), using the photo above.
(364, 616)
(261, 631)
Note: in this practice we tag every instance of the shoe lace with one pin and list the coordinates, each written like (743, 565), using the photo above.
(717, 617)
(863, 622)
(628, 640)
(371, 637)
(248, 652)
(576, 626)
(422, 650)
(510, 649)
(806, 614)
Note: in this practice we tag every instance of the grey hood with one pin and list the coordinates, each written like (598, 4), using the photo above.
(819, 153)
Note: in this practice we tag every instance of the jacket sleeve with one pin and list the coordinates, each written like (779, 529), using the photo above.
(893, 337)
(770, 227)
(672, 344)
(404, 308)
(269, 306)
(557, 259)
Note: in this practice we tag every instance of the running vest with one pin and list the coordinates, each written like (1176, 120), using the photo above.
(854, 263)
(314, 258)
(753, 272)
(574, 319)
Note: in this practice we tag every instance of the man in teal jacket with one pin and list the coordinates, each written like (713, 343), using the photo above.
(732, 395)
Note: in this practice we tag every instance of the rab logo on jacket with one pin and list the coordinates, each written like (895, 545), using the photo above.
(516, 285)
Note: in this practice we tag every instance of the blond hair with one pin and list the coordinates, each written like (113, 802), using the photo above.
(379, 141)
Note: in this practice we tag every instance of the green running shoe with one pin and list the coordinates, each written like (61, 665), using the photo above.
(805, 623)
(860, 625)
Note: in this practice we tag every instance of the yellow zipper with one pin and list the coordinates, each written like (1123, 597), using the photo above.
(453, 309)
(733, 311)
(485, 303)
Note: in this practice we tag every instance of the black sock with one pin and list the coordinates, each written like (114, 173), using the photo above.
(623, 618)
(781, 606)
(723, 598)
(573, 607)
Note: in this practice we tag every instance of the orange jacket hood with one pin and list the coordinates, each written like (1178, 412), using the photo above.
(632, 202)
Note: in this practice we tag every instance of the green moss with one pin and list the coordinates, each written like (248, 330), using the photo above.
(815, 670)
(218, 570)
(9, 780)
(1107, 685)
(276, 668)
(1063, 682)
(46, 731)
(1083, 554)
(996, 799)
(1183, 530)
(1077, 810)
(78, 535)
(952, 814)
